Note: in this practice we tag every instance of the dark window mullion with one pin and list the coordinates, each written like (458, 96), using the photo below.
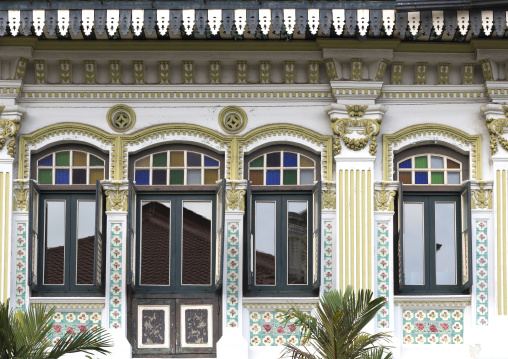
(70, 243)
(430, 225)
(177, 243)
(282, 243)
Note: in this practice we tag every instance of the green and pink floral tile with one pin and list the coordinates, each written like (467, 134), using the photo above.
(433, 326)
(233, 273)
(21, 256)
(383, 268)
(328, 260)
(115, 282)
(482, 278)
(266, 329)
(73, 323)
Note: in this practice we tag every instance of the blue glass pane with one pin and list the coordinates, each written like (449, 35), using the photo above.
(159, 177)
(421, 178)
(193, 159)
(405, 164)
(210, 162)
(46, 161)
(142, 177)
(62, 176)
(273, 159)
(273, 177)
(290, 159)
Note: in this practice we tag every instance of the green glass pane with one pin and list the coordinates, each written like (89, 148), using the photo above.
(96, 161)
(160, 159)
(437, 178)
(258, 162)
(62, 158)
(45, 176)
(421, 162)
(176, 177)
(290, 177)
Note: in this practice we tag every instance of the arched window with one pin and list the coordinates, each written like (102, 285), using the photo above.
(65, 220)
(284, 220)
(433, 221)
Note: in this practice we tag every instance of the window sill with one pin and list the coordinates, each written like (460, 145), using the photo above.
(432, 301)
(279, 303)
(84, 304)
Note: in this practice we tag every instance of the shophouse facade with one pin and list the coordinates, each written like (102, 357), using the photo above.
(176, 172)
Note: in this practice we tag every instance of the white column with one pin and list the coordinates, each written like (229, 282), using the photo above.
(20, 291)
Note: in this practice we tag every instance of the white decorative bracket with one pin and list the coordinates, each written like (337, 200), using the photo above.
(487, 21)
(362, 18)
(438, 22)
(339, 19)
(163, 21)
(14, 21)
(463, 20)
(63, 21)
(414, 22)
(188, 17)
(39, 19)
(113, 21)
(289, 20)
(389, 21)
(264, 20)
(214, 20)
(137, 21)
(87, 17)
(313, 20)
(240, 20)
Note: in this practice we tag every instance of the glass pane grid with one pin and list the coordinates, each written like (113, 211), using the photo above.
(70, 167)
(176, 168)
(443, 170)
(281, 168)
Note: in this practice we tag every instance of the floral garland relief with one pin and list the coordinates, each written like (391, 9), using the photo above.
(432, 326)
(482, 269)
(232, 274)
(115, 283)
(266, 329)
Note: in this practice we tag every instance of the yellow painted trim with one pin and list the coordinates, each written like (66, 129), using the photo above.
(340, 212)
(352, 238)
(369, 228)
(365, 238)
(6, 233)
(358, 241)
(475, 141)
(504, 288)
(347, 237)
(499, 224)
(4, 242)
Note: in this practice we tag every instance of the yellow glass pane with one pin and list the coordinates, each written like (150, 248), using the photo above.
(306, 162)
(78, 158)
(143, 162)
(176, 159)
(211, 176)
(96, 175)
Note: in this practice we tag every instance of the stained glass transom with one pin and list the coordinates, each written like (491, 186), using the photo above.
(430, 169)
(70, 167)
(282, 168)
(176, 168)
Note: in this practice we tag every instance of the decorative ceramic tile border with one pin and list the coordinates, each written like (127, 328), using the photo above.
(233, 273)
(115, 282)
(21, 257)
(328, 260)
(433, 326)
(73, 322)
(482, 270)
(266, 329)
(383, 268)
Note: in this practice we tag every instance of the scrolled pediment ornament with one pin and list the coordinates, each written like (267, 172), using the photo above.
(8, 130)
(496, 128)
(367, 129)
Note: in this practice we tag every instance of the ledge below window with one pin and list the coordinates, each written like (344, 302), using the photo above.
(279, 303)
(83, 304)
(435, 301)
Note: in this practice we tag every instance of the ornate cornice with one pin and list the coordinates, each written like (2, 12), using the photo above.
(384, 199)
(235, 198)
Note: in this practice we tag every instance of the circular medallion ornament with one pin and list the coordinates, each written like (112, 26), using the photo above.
(121, 118)
(232, 119)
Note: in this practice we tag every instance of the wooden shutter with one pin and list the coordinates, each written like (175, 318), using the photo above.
(399, 234)
(131, 237)
(316, 235)
(249, 209)
(219, 238)
(465, 207)
(98, 245)
(33, 234)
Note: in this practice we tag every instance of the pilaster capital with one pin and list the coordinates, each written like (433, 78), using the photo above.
(117, 193)
(20, 192)
(10, 123)
(235, 195)
(481, 195)
(496, 119)
(497, 91)
(328, 196)
(357, 126)
(361, 92)
(384, 196)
